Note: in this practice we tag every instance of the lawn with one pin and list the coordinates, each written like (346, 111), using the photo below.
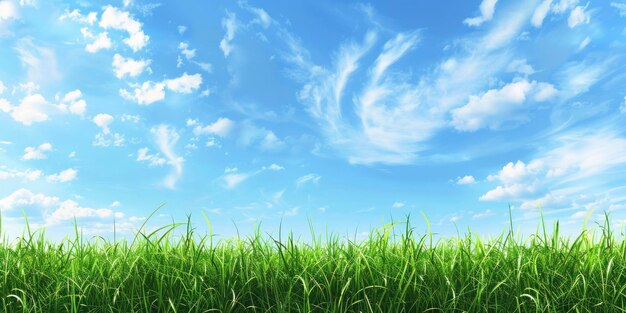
(394, 270)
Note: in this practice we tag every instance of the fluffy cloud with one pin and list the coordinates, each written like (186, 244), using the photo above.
(487, 9)
(75, 15)
(37, 153)
(103, 121)
(73, 102)
(34, 108)
(30, 175)
(573, 164)
(106, 138)
(128, 66)
(2, 87)
(115, 18)
(69, 209)
(222, 127)
(496, 107)
(24, 197)
(398, 205)
(100, 42)
(184, 49)
(466, 180)
(67, 175)
(150, 92)
(185, 83)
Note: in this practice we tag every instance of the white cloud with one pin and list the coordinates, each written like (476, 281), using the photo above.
(466, 180)
(487, 9)
(102, 41)
(182, 29)
(622, 108)
(137, 40)
(37, 153)
(166, 138)
(570, 164)
(234, 179)
(578, 16)
(483, 214)
(152, 159)
(103, 121)
(496, 107)
(30, 175)
(309, 178)
(107, 140)
(275, 167)
(222, 127)
(24, 197)
(128, 66)
(398, 205)
(151, 92)
(75, 15)
(65, 210)
(540, 13)
(2, 87)
(70, 209)
(77, 105)
(185, 83)
(32, 109)
(67, 175)
(184, 49)
(230, 25)
(563, 5)
(121, 20)
(148, 93)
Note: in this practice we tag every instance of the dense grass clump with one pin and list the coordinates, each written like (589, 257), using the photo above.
(387, 272)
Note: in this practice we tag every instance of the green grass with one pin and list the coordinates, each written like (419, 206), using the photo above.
(388, 272)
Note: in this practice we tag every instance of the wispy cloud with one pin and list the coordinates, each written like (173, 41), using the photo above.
(166, 138)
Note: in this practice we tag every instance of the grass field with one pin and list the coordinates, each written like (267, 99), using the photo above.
(391, 271)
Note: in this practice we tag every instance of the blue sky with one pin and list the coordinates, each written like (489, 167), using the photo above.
(349, 114)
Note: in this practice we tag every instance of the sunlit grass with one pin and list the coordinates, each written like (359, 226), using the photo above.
(394, 270)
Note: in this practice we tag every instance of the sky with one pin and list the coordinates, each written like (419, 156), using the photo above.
(343, 115)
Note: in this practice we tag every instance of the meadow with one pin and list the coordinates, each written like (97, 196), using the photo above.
(174, 269)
